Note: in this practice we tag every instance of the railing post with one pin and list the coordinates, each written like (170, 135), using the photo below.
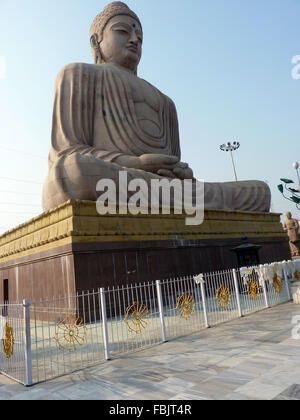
(237, 292)
(27, 342)
(287, 285)
(201, 281)
(104, 325)
(265, 290)
(161, 311)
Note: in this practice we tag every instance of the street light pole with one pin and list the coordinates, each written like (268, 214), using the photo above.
(296, 166)
(234, 170)
(231, 148)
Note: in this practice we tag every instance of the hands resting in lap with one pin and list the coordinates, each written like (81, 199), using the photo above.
(162, 165)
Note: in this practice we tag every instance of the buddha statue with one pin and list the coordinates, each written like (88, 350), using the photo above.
(106, 119)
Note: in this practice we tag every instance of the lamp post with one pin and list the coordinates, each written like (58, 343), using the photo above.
(296, 166)
(231, 148)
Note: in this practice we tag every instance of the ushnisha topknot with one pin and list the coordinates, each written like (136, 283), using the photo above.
(113, 9)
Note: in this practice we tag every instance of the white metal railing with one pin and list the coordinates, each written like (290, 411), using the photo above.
(13, 341)
(221, 296)
(57, 336)
(182, 307)
(66, 334)
(133, 318)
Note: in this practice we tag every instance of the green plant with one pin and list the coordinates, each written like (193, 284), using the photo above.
(294, 194)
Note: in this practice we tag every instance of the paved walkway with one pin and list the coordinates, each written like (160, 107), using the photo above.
(250, 358)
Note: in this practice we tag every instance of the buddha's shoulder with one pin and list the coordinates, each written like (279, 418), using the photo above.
(80, 68)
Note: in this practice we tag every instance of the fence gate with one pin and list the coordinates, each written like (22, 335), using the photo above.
(12, 335)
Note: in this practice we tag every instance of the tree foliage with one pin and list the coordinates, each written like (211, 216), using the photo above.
(293, 194)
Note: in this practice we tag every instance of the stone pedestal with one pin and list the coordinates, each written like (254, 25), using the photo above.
(295, 250)
(72, 248)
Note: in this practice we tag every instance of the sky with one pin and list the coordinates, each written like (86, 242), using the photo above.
(227, 65)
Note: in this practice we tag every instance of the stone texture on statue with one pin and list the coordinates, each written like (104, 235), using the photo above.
(107, 120)
(291, 226)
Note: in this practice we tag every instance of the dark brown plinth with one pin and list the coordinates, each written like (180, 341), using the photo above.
(72, 249)
(86, 266)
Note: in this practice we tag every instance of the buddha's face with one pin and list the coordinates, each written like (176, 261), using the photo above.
(289, 215)
(122, 42)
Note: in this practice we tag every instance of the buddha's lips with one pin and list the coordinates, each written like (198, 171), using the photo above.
(132, 48)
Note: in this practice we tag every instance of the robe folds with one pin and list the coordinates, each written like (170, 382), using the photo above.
(95, 122)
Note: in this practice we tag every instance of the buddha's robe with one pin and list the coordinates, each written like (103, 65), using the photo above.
(95, 122)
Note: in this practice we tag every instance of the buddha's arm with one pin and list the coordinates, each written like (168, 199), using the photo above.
(74, 113)
(181, 170)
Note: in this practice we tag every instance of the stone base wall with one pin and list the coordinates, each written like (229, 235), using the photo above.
(73, 249)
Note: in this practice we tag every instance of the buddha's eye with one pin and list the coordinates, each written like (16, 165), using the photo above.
(122, 31)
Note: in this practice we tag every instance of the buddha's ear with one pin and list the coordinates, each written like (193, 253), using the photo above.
(94, 41)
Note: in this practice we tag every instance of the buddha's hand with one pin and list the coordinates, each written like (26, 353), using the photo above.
(180, 171)
(155, 163)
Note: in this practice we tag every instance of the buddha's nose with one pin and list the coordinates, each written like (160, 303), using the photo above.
(134, 39)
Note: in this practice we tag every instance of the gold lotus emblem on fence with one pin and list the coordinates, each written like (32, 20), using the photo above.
(253, 289)
(70, 333)
(136, 318)
(223, 297)
(8, 341)
(186, 306)
(277, 283)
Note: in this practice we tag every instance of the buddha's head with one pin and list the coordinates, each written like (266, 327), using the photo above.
(288, 215)
(116, 37)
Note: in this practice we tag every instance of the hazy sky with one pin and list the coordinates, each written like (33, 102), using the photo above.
(227, 64)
